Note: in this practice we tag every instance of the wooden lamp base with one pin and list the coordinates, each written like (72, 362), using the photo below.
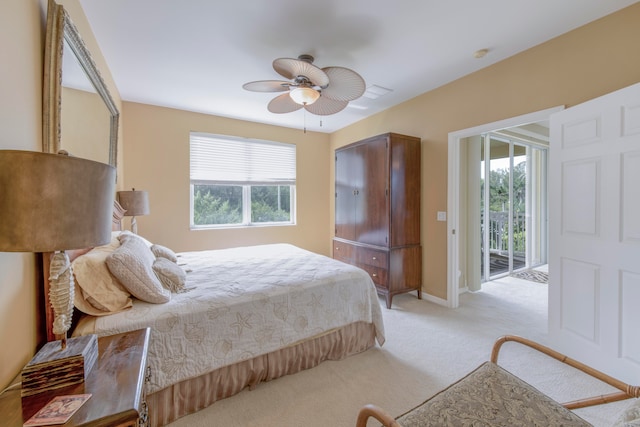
(54, 367)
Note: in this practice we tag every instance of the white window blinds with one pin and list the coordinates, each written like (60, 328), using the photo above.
(229, 160)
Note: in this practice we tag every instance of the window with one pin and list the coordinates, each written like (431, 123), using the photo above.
(241, 182)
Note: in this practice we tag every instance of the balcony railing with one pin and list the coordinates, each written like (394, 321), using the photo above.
(499, 232)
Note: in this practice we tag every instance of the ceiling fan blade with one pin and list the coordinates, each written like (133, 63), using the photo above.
(267, 86)
(325, 106)
(283, 104)
(344, 84)
(292, 68)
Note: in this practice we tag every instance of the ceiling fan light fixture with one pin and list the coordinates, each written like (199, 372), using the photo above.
(304, 95)
(320, 91)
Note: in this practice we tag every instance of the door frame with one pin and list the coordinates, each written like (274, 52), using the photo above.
(453, 192)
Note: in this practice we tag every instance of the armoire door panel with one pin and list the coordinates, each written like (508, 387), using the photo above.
(405, 193)
(373, 229)
(346, 169)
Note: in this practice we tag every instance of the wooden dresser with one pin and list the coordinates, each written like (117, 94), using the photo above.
(377, 211)
(117, 383)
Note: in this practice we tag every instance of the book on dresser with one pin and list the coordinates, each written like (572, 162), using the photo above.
(58, 410)
(377, 211)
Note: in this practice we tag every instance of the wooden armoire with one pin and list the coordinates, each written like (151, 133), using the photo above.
(377, 211)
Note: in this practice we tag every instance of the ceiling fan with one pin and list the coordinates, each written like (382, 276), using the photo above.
(320, 91)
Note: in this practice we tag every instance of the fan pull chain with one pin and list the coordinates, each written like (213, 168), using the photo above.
(304, 115)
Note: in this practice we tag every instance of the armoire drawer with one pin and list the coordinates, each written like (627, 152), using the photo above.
(371, 257)
(378, 275)
(342, 251)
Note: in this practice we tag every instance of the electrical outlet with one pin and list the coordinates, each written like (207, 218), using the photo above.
(442, 216)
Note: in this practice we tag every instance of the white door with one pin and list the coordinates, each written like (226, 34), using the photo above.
(594, 246)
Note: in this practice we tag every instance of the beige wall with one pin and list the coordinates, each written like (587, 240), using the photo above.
(157, 160)
(21, 44)
(583, 64)
(22, 34)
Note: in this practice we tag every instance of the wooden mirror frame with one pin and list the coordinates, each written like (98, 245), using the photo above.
(61, 28)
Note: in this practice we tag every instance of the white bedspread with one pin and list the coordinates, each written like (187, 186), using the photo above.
(246, 302)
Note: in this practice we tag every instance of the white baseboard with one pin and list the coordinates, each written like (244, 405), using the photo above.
(434, 299)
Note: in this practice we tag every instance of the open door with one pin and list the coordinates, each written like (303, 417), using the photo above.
(594, 205)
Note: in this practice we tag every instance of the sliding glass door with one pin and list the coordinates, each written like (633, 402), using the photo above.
(513, 206)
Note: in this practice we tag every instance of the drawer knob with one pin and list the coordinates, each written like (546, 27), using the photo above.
(374, 275)
(337, 249)
(374, 258)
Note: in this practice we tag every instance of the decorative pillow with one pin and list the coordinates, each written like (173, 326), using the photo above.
(97, 291)
(170, 274)
(630, 417)
(129, 233)
(132, 265)
(164, 252)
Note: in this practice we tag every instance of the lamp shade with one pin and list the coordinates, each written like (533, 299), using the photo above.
(54, 202)
(135, 202)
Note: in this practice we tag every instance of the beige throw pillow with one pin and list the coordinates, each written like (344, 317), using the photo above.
(132, 265)
(164, 252)
(123, 232)
(97, 291)
(172, 276)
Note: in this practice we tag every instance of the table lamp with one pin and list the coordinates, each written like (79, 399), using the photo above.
(54, 203)
(136, 203)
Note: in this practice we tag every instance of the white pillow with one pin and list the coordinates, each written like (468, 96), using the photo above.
(163, 252)
(172, 276)
(117, 234)
(97, 291)
(132, 265)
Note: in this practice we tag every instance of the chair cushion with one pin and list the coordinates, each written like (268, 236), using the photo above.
(630, 417)
(490, 396)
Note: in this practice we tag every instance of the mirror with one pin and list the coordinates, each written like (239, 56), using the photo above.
(79, 115)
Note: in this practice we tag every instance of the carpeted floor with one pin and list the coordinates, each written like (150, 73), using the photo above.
(428, 347)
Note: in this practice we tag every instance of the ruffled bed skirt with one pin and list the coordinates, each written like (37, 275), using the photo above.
(192, 395)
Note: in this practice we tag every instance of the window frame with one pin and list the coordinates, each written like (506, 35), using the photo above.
(246, 188)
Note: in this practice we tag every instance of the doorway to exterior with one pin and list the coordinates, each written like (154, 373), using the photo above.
(513, 202)
(516, 237)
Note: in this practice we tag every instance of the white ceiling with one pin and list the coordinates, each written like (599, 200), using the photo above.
(195, 55)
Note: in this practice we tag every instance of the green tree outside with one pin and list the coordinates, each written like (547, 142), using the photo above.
(499, 203)
(222, 204)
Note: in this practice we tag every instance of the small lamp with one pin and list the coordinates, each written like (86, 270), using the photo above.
(136, 203)
(52, 203)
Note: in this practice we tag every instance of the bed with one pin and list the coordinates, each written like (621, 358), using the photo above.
(242, 316)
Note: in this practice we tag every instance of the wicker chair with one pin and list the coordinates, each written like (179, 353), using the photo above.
(491, 395)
